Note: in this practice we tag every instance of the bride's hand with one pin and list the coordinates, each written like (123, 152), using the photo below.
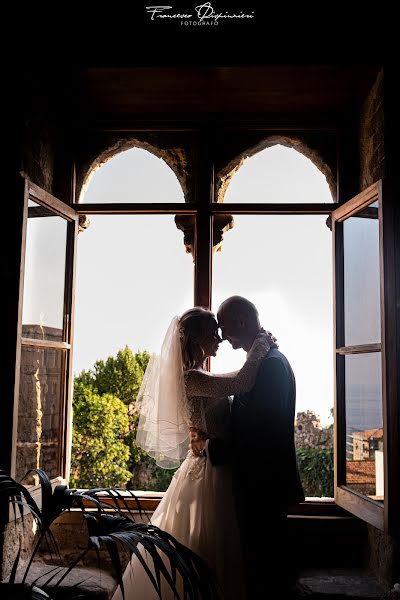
(263, 342)
(273, 342)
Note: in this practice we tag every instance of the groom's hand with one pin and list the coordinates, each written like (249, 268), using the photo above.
(197, 435)
(197, 441)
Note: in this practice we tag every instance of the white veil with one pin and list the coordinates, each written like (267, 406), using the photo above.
(163, 431)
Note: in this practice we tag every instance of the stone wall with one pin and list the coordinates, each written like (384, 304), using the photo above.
(383, 556)
(71, 536)
(16, 536)
(371, 136)
(40, 404)
(44, 126)
(309, 433)
(383, 549)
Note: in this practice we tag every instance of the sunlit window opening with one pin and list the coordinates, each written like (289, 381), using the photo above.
(283, 264)
(278, 175)
(135, 175)
(133, 276)
(272, 261)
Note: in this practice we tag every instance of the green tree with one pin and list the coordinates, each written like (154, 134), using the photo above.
(121, 377)
(100, 456)
(316, 471)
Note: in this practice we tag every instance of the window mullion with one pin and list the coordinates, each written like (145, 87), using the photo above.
(204, 186)
(203, 257)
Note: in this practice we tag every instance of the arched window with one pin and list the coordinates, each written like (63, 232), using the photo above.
(134, 175)
(277, 174)
(133, 276)
(128, 263)
(283, 263)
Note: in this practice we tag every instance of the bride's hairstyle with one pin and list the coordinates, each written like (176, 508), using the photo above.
(193, 326)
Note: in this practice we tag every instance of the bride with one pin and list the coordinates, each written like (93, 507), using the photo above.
(176, 394)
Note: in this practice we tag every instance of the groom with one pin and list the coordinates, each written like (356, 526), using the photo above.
(262, 453)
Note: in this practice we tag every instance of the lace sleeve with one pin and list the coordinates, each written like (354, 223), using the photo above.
(211, 385)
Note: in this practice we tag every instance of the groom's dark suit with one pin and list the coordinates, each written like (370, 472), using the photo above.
(265, 476)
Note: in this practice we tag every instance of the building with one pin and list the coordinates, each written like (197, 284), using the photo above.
(365, 443)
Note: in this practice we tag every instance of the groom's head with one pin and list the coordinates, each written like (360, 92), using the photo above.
(239, 322)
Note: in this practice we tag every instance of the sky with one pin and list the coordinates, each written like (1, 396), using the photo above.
(44, 270)
(273, 261)
(133, 274)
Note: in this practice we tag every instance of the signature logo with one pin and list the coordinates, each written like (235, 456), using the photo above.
(204, 14)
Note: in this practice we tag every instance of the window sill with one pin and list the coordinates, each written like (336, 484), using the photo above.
(143, 500)
(36, 493)
(148, 501)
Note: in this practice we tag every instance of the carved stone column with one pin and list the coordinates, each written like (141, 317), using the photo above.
(84, 223)
(221, 224)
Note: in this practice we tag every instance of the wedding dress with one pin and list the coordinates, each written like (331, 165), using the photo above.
(198, 506)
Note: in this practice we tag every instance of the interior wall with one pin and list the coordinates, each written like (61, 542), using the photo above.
(383, 557)
(41, 129)
(38, 133)
(371, 136)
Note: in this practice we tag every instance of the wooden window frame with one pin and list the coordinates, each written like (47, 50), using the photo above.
(384, 516)
(35, 193)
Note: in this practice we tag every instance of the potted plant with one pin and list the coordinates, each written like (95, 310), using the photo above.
(113, 529)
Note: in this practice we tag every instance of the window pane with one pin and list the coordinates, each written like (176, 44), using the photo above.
(364, 424)
(133, 276)
(283, 264)
(134, 175)
(277, 175)
(43, 305)
(40, 408)
(362, 278)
